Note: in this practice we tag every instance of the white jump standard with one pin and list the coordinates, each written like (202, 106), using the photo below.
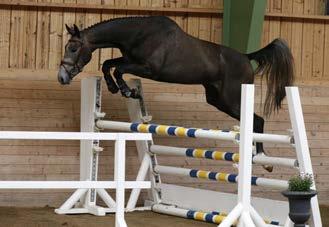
(222, 208)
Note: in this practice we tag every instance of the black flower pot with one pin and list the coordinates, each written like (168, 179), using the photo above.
(299, 206)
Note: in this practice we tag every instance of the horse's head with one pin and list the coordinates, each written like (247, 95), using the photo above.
(77, 55)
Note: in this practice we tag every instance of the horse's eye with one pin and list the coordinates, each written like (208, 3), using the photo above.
(73, 49)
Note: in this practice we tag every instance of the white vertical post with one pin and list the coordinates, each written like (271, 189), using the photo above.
(243, 210)
(88, 160)
(119, 169)
(245, 148)
(301, 145)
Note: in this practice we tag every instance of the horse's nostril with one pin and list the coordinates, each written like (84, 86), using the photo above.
(61, 79)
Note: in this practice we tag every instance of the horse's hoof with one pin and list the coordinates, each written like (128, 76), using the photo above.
(126, 93)
(135, 94)
(113, 89)
(268, 168)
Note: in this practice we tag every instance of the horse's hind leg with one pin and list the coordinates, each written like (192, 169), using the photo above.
(228, 101)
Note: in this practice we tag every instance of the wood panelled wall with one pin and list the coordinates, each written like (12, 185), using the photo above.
(31, 46)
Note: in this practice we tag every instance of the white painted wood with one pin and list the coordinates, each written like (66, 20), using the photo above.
(106, 197)
(232, 217)
(70, 184)
(28, 135)
(120, 154)
(301, 144)
(90, 94)
(245, 163)
(142, 174)
(73, 199)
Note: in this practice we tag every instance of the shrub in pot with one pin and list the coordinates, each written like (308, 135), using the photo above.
(299, 195)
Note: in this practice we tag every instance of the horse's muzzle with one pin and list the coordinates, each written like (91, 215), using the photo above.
(63, 76)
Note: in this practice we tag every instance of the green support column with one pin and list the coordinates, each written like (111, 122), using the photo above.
(243, 24)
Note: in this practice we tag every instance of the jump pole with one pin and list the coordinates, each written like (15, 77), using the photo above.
(189, 132)
(220, 155)
(220, 176)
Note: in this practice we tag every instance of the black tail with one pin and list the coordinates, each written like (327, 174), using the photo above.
(276, 62)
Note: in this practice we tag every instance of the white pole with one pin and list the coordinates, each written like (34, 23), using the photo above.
(245, 147)
(166, 150)
(246, 219)
(106, 197)
(232, 217)
(170, 210)
(119, 168)
(301, 143)
(69, 203)
(70, 184)
(89, 96)
(266, 160)
(172, 170)
(142, 173)
(114, 125)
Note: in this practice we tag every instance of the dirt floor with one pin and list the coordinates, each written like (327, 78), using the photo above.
(45, 217)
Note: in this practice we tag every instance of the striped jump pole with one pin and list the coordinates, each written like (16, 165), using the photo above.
(218, 176)
(211, 217)
(221, 155)
(167, 130)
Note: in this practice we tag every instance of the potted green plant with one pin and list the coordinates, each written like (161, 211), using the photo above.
(299, 195)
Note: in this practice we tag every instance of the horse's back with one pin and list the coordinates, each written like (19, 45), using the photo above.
(177, 57)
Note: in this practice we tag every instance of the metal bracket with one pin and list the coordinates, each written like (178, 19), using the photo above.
(97, 149)
(99, 115)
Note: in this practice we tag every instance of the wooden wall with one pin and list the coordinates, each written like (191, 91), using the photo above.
(31, 46)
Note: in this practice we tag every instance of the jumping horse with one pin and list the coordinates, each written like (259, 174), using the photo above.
(156, 48)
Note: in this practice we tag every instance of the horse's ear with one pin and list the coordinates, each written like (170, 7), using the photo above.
(76, 31)
(69, 30)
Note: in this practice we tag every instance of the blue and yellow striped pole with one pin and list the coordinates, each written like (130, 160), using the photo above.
(220, 155)
(218, 176)
(211, 217)
(195, 153)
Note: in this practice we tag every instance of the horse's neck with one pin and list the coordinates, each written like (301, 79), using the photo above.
(114, 34)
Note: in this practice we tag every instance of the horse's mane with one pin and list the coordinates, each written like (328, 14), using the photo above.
(90, 28)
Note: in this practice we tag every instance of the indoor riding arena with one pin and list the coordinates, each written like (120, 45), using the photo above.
(154, 113)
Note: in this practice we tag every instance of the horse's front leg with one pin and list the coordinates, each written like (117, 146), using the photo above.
(106, 69)
(126, 91)
(133, 69)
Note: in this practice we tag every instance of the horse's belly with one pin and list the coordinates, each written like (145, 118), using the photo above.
(182, 78)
